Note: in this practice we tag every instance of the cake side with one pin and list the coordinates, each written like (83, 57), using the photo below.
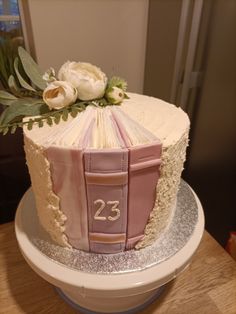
(47, 202)
(171, 168)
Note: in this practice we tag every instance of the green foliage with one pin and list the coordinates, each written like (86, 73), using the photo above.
(13, 128)
(22, 98)
(13, 85)
(116, 81)
(31, 68)
(8, 52)
(7, 96)
(22, 82)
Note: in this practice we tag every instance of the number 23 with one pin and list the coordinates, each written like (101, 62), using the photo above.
(114, 209)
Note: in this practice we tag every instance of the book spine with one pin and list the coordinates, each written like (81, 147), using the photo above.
(144, 162)
(67, 173)
(106, 174)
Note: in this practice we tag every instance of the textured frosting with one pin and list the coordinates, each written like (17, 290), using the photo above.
(50, 215)
(167, 122)
(173, 158)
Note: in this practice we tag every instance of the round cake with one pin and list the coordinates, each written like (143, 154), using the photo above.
(106, 181)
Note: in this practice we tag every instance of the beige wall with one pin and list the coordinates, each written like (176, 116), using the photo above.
(107, 33)
(161, 47)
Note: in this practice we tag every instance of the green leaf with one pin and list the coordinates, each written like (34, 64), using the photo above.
(102, 102)
(74, 112)
(49, 121)
(6, 102)
(31, 69)
(57, 117)
(2, 117)
(40, 123)
(6, 95)
(13, 85)
(21, 108)
(23, 83)
(65, 115)
(30, 124)
(5, 130)
(13, 128)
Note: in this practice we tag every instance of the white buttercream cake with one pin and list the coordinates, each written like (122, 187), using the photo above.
(106, 181)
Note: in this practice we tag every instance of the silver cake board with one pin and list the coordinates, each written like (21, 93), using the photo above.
(112, 283)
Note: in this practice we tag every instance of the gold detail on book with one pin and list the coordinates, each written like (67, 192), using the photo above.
(114, 209)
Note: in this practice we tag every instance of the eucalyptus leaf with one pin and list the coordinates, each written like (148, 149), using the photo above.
(13, 85)
(2, 116)
(17, 110)
(6, 102)
(23, 83)
(7, 54)
(6, 95)
(31, 68)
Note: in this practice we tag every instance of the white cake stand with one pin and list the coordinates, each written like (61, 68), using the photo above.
(127, 292)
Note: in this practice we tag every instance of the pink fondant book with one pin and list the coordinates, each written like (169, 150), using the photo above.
(106, 175)
(144, 162)
(67, 172)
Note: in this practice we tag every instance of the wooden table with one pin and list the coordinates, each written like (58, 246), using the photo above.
(207, 286)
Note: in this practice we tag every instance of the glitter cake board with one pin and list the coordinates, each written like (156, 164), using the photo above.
(172, 240)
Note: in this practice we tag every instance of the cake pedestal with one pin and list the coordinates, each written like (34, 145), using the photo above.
(95, 283)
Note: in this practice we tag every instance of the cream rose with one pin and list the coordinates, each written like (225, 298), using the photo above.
(59, 94)
(115, 95)
(88, 79)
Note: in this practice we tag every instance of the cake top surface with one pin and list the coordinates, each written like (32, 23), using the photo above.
(163, 119)
(167, 122)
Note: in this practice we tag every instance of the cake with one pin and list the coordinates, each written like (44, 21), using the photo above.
(68, 223)
(105, 165)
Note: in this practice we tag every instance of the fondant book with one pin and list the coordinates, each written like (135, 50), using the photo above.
(108, 166)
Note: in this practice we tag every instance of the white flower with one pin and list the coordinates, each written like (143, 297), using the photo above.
(59, 94)
(88, 79)
(115, 95)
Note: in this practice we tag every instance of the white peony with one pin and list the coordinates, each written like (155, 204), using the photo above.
(59, 94)
(115, 95)
(88, 79)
